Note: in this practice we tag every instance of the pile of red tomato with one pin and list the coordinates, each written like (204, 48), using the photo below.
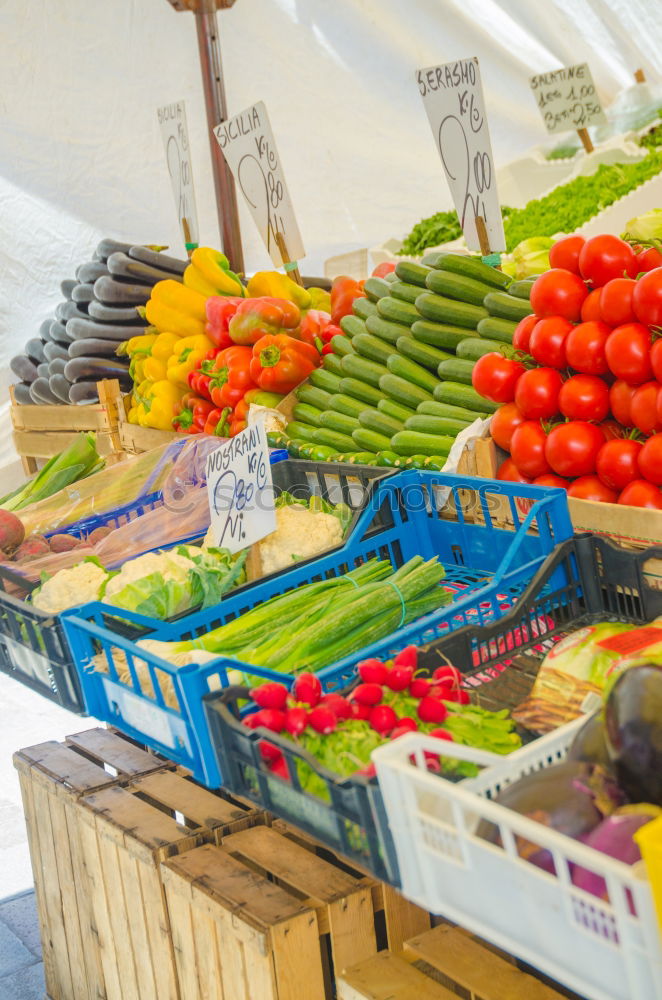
(582, 388)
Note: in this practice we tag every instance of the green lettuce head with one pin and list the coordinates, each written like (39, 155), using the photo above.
(532, 256)
(646, 227)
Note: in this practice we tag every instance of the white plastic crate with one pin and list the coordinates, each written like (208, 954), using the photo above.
(600, 949)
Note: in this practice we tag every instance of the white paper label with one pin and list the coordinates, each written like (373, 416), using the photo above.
(249, 147)
(172, 119)
(567, 98)
(453, 99)
(240, 490)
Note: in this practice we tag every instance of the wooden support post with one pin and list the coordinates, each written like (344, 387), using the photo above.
(282, 246)
(640, 76)
(586, 139)
(483, 238)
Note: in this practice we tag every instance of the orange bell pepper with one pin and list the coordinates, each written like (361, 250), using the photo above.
(280, 363)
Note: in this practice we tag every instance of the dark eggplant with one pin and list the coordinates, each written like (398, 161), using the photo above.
(23, 368)
(93, 349)
(82, 294)
(108, 246)
(83, 392)
(67, 286)
(114, 314)
(55, 351)
(44, 328)
(58, 333)
(633, 723)
(122, 266)
(43, 369)
(156, 259)
(114, 293)
(35, 349)
(88, 273)
(69, 310)
(22, 394)
(41, 393)
(57, 366)
(590, 744)
(60, 386)
(87, 329)
(94, 368)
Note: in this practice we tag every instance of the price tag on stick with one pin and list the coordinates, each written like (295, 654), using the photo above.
(172, 119)
(240, 490)
(453, 99)
(249, 147)
(567, 99)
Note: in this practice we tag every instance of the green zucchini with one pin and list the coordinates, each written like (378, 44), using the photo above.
(436, 425)
(277, 439)
(448, 412)
(412, 273)
(363, 307)
(370, 440)
(372, 347)
(474, 348)
(387, 459)
(494, 328)
(435, 463)
(323, 379)
(305, 414)
(521, 289)
(412, 372)
(395, 410)
(424, 354)
(315, 397)
(440, 335)
(457, 286)
(355, 366)
(418, 443)
(332, 364)
(342, 403)
(351, 325)
(456, 370)
(375, 420)
(376, 288)
(381, 328)
(363, 458)
(390, 276)
(299, 431)
(341, 345)
(403, 391)
(340, 422)
(293, 447)
(397, 311)
(507, 306)
(307, 449)
(322, 453)
(458, 394)
(443, 310)
(406, 292)
(434, 258)
(334, 439)
(360, 390)
(473, 267)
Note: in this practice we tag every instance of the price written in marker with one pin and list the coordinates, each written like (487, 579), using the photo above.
(249, 148)
(240, 490)
(453, 97)
(172, 119)
(567, 98)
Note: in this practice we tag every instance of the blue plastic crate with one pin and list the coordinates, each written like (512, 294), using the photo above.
(488, 563)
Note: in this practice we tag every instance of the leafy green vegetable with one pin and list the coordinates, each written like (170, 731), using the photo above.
(444, 227)
(653, 137)
(76, 462)
(646, 228)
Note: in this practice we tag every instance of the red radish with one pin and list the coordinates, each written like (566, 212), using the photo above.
(361, 711)
(431, 710)
(270, 718)
(322, 720)
(399, 678)
(443, 690)
(279, 768)
(458, 696)
(441, 734)
(368, 694)
(369, 771)
(269, 752)
(340, 707)
(372, 671)
(252, 721)
(447, 673)
(419, 687)
(383, 719)
(406, 723)
(407, 657)
(307, 688)
(270, 695)
(296, 720)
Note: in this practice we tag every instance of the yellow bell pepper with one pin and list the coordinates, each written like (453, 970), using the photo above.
(320, 299)
(209, 273)
(160, 407)
(132, 415)
(180, 368)
(277, 286)
(165, 345)
(155, 369)
(137, 368)
(176, 309)
(141, 344)
(201, 342)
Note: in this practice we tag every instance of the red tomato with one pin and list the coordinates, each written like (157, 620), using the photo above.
(592, 488)
(584, 397)
(649, 259)
(504, 423)
(643, 407)
(620, 397)
(605, 257)
(547, 341)
(572, 448)
(616, 301)
(641, 493)
(509, 472)
(565, 253)
(523, 333)
(585, 348)
(495, 377)
(611, 429)
(650, 460)
(656, 360)
(537, 393)
(647, 298)
(591, 306)
(617, 463)
(549, 479)
(387, 267)
(527, 449)
(628, 353)
(558, 293)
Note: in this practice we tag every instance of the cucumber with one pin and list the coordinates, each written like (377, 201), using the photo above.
(473, 267)
(440, 335)
(406, 292)
(334, 439)
(375, 420)
(372, 347)
(332, 364)
(307, 449)
(293, 447)
(276, 439)
(449, 412)
(322, 453)
(507, 306)
(360, 391)
(440, 309)
(494, 328)
(434, 258)
(387, 459)
(456, 370)
(395, 410)
(376, 288)
(521, 289)
(458, 394)
(434, 463)
(341, 345)
(381, 328)
(474, 348)
(363, 308)
(342, 403)
(314, 397)
(298, 431)
(411, 273)
(339, 422)
(436, 425)
(391, 276)
(351, 325)
(305, 414)
(370, 440)
(424, 354)
(355, 366)
(397, 311)
(323, 379)
(418, 443)
(402, 391)
(363, 458)
(412, 372)
(457, 286)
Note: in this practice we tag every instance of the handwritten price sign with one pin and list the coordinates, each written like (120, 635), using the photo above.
(240, 490)
(453, 99)
(172, 119)
(567, 98)
(249, 147)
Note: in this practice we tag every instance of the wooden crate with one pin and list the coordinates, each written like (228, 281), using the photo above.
(52, 777)
(441, 964)
(135, 440)
(262, 916)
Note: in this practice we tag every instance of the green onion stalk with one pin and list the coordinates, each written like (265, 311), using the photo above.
(76, 462)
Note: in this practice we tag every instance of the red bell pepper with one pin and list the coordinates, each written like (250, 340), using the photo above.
(239, 421)
(231, 376)
(256, 318)
(313, 328)
(280, 363)
(199, 380)
(387, 267)
(191, 414)
(217, 422)
(220, 309)
(343, 292)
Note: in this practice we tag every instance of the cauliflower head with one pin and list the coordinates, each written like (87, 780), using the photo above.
(70, 587)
